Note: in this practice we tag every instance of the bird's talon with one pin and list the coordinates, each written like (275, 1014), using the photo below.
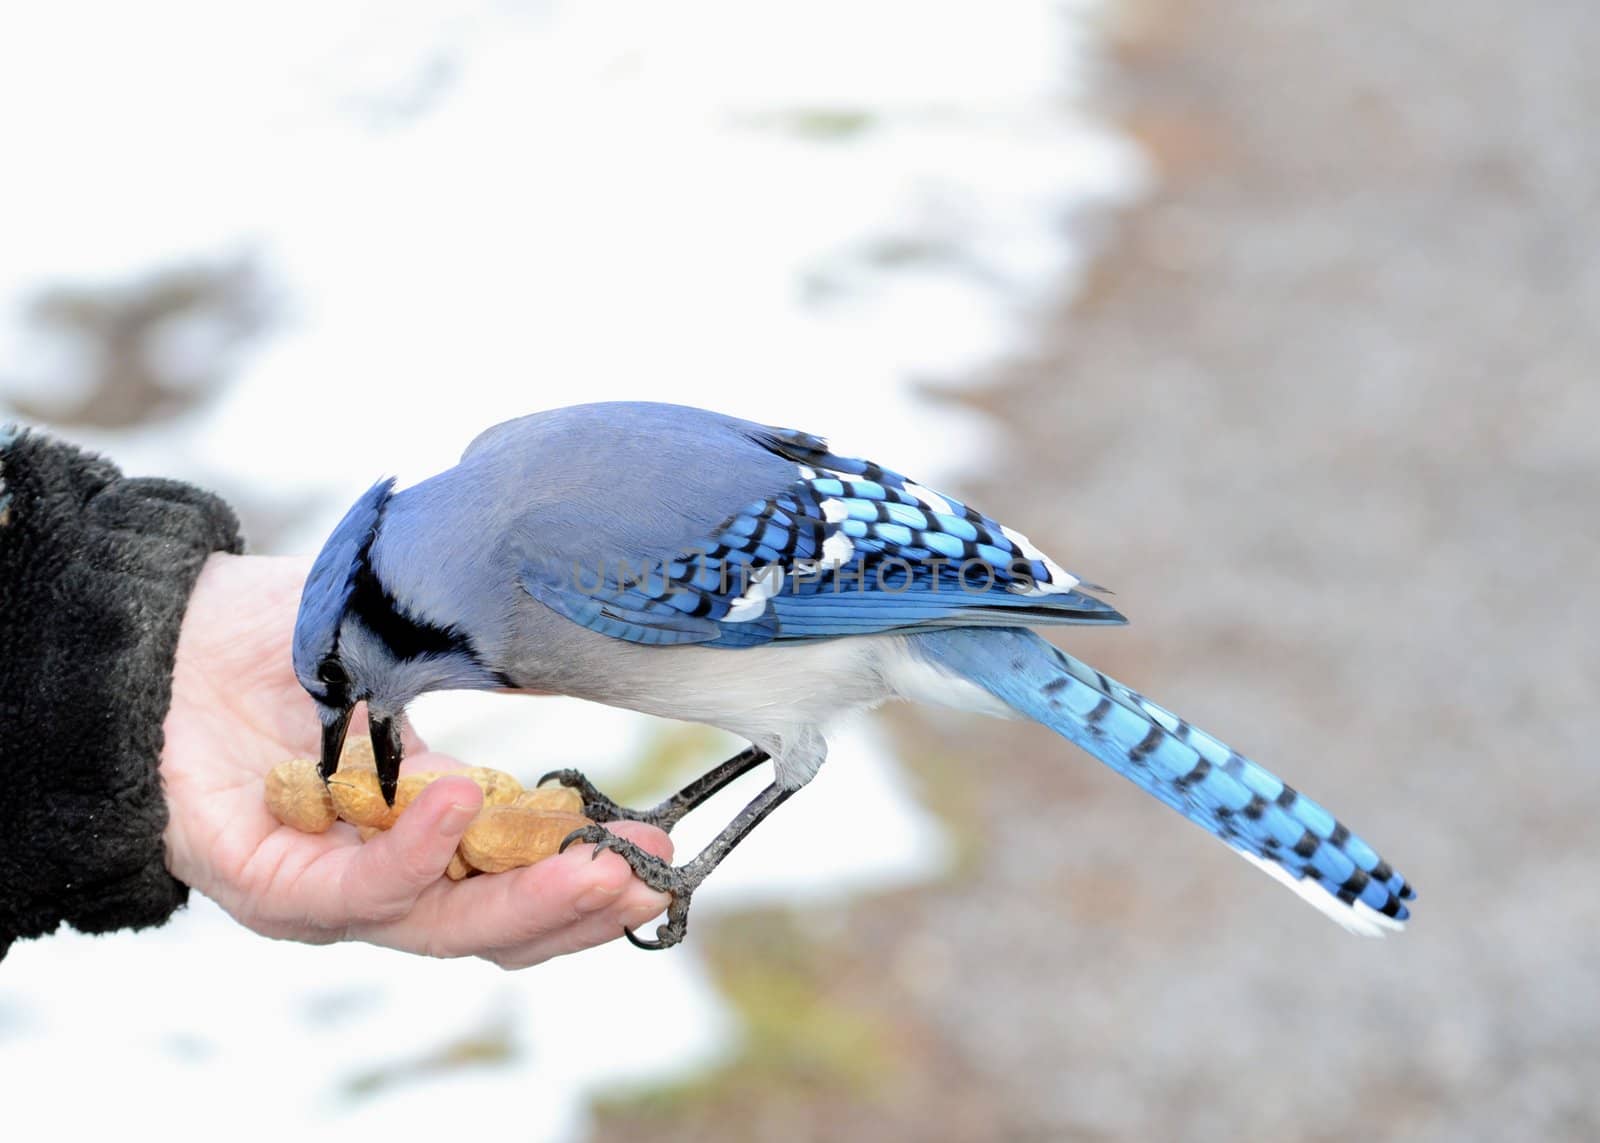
(591, 833)
(596, 806)
(644, 943)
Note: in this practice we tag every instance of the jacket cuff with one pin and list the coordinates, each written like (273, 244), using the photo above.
(95, 574)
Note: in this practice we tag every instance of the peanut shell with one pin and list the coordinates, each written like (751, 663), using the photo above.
(296, 796)
(499, 788)
(508, 837)
(561, 798)
(358, 799)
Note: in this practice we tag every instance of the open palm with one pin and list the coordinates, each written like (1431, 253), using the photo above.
(237, 711)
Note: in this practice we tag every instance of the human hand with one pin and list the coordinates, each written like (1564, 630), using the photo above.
(237, 711)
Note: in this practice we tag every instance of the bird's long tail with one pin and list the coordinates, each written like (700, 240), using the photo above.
(1269, 823)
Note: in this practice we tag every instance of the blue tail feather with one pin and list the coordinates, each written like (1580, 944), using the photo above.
(1255, 812)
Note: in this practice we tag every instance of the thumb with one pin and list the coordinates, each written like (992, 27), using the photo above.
(388, 873)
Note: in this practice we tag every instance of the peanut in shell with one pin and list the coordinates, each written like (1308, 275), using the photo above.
(508, 837)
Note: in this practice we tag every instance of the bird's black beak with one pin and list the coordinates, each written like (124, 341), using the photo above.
(333, 743)
(387, 750)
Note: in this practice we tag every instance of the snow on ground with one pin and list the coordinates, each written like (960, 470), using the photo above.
(795, 213)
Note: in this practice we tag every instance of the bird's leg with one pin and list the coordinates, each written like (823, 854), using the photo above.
(670, 812)
(682, 880)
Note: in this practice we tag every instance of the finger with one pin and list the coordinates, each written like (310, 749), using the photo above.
(536, 904)
(312, 871)
(637, 905)
(386, 875)
(646, 837)
(531, 907)
(605, 912)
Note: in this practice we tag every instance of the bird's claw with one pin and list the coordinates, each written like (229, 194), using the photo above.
(646, 866)
(666, 936)
(654, 872)
(680, 881)
(593, 834)
(596, 806)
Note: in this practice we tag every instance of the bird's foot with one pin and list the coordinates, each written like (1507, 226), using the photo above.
(679, 883)
(598, 807)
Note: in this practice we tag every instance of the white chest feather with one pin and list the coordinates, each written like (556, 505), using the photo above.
(783, 696)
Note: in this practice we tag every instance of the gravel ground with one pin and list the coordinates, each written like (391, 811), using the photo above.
(1325, 415)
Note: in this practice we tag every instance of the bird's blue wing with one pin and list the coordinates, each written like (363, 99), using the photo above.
(848, 548)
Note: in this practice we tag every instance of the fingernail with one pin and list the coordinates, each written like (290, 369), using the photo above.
(598, 898)
(455, 819)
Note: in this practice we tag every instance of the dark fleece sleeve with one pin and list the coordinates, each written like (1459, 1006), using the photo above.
(95, 573)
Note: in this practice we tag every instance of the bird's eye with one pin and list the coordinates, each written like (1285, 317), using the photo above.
(329, 671)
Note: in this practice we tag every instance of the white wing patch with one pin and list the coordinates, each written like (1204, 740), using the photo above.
(1061, 580)
(764, 584)
(837, 550)
(930, 499)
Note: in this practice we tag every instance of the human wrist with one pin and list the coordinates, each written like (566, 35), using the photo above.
(96, 570)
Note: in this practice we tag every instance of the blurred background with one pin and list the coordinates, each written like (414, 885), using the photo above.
(1279, 319)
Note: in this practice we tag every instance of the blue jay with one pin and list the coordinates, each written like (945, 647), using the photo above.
(700, 567)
